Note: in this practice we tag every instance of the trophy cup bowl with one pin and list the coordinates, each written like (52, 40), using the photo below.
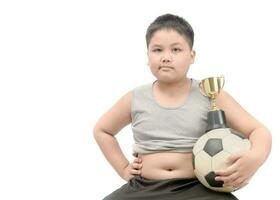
(211, 87)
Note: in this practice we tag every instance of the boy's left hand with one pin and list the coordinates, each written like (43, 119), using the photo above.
(243, 166)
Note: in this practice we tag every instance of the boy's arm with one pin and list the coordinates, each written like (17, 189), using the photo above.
(111, 150)
(108, 126)
(261, 141)
(242, 121)
(243, 164)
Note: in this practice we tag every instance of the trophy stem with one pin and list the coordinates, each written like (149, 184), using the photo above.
(214, 107)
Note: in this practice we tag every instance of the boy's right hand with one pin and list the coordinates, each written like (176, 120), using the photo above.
(132, 169)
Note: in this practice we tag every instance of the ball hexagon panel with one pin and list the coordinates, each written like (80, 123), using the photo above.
(218, 133)
(203, 157)
(232, 143)
(218, 161)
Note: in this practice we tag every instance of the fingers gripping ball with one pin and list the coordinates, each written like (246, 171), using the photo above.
(210, 153)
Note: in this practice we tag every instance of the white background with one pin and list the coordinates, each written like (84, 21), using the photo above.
(64, 63)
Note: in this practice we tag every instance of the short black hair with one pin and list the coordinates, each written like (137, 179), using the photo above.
(173, 22)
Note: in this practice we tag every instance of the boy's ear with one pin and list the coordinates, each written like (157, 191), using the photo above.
(193, 53)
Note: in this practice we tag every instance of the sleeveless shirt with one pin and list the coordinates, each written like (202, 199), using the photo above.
(174, 129)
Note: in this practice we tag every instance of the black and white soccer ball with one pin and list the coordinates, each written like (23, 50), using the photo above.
(210, 153)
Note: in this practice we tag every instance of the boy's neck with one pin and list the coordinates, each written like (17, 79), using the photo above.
(175, 88)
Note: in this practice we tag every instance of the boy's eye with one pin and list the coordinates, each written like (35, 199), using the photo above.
(156, 50)
(176, 49)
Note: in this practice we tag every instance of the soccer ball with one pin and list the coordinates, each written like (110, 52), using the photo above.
(210, 153)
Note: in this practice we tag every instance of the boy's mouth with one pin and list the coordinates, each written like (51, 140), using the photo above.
(169, 67)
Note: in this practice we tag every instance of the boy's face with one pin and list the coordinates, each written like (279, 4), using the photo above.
(169, 56)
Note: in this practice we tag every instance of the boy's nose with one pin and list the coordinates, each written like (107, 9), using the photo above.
(166, 58)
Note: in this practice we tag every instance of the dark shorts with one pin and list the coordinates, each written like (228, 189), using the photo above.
(139, 188)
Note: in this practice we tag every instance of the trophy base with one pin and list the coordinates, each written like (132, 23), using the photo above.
(216, 119)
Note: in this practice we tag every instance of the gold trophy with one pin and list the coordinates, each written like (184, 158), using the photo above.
(211, 87)
(218, 142)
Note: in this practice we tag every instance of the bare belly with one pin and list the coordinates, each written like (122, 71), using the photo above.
(167, 165)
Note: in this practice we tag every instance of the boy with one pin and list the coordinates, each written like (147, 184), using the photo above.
(167, 117)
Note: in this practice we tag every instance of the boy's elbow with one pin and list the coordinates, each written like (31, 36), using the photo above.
(97, 132)
(269, 136)
(268, 132)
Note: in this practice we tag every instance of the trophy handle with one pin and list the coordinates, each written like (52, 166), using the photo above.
(203, 93)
